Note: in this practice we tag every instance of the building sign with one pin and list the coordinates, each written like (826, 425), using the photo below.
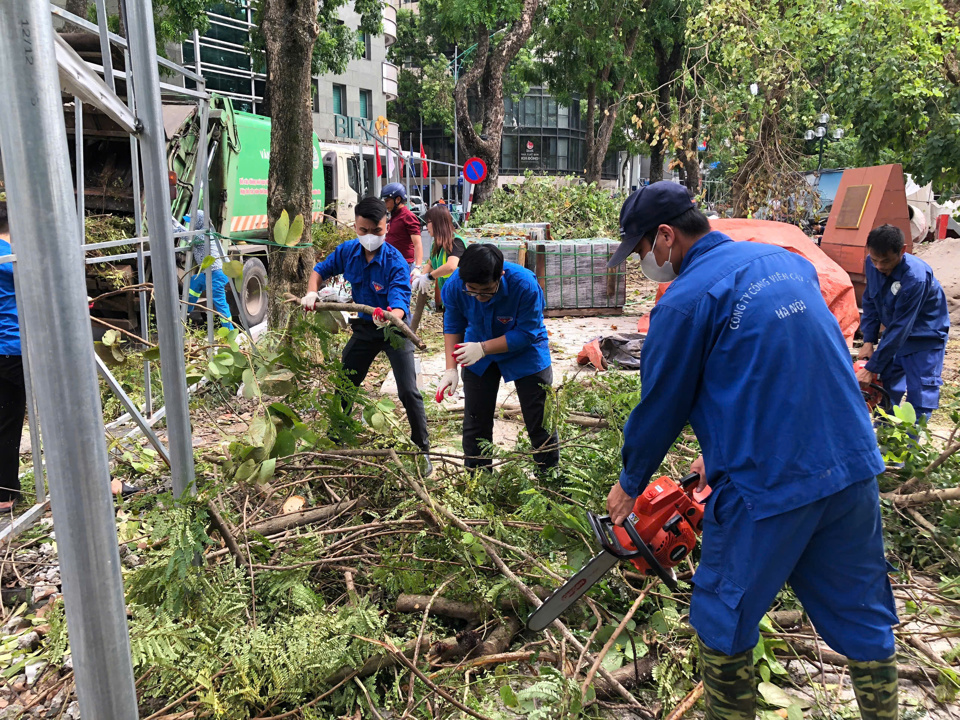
(347, 127)
(530, 152)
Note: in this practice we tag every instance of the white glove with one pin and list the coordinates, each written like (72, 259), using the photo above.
(415, 273)
(309, 301)
(448, 383)
(468, 353)
(422, 283)
(380, 318)
(328, 294)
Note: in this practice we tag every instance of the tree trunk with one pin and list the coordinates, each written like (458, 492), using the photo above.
(486, 74)
(289, 30)
(77, 7)
(597, 145)
(667, 66)
(590, 141)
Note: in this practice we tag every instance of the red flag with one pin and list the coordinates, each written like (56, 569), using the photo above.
(423, 156)
(379, 166)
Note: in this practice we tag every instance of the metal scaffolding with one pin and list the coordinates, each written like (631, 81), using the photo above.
(62, 387)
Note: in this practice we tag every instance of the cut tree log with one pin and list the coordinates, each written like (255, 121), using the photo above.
(809, 651)
(305, 517)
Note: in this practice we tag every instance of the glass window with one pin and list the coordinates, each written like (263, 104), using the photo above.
(508, 152)
(551, 152)
(365, 41)
(563, 150)
(366, 104)
(340, 99)
(315, 87)
(531, 111)
(563, 116)
(551, 113)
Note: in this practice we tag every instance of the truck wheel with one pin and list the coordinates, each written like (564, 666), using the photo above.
(253, 292)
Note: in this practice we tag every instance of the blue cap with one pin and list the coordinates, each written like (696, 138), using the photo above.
(647, 208)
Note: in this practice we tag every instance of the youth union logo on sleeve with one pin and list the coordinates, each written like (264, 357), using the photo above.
(377, 286)
(505, 320)
(895, 288)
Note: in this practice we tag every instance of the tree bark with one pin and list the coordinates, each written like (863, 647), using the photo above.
(77, 7)
(290, 31)
(486, 74)
(597, 145)
(667, 66)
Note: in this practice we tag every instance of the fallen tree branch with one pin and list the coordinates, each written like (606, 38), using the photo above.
(810, 652)
(612, 639)
(304, 517)
(494, 556)
(687, 703)
(358, 308)
(229, 540)
(441, 606)
(922, 498)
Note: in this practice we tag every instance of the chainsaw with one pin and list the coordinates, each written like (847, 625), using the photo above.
(661, 531)
(874, 394)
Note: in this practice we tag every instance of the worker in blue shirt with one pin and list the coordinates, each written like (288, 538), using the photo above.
(380, 277)
(493, 328)
(905, 298)
(743, 347)
(13, 394)
(218, 278)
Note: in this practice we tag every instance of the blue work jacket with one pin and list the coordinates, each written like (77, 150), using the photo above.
(515, 312)
(383, 282)
(9, 320)
(742, 346)
(911, 306)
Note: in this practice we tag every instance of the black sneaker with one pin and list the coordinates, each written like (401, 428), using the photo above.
(426, 465)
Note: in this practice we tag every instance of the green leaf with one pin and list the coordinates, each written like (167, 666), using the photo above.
(224, 359)
(295, 231)
(794, 712)
(249, 378)
(281, 229)
(267, 470)
(233, 269)
(246, 469)
(774, 695)
(766, 624)
(287, 413)
(151, 354)
(758, 650)
(208, 261)
(468, 539)
(906, 413)
(764, 672)
(508, 696)
(286, 444)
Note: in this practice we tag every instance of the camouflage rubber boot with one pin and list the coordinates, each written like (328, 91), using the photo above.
(729, 685)
(875, 685)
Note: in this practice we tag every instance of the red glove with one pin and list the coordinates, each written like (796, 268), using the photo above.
(379, 317)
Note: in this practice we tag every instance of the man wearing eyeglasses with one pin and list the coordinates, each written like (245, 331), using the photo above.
(493, 328)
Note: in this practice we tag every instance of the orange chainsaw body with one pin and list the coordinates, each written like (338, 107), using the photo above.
(669, 518)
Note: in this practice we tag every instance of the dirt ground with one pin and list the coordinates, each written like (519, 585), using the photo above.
(943, 256)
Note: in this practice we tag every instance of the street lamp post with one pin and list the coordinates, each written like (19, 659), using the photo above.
(821, 134)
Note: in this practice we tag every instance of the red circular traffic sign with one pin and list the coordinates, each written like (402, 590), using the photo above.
(475, 170)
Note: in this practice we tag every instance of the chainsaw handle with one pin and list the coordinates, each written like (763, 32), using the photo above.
(688, 480)
(603, 530)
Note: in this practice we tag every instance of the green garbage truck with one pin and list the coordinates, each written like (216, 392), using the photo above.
(238, 151)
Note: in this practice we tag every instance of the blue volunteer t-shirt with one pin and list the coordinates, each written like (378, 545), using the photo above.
(9, 320)
(743, 346)
(515, 312)
(383, 282)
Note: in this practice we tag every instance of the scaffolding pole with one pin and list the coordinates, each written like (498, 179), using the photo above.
(44, 226)
(143, 59)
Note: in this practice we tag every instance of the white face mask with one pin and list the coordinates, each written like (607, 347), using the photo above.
(371, 242)
(657, 273)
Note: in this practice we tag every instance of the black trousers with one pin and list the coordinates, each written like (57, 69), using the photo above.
(362, 348)
(13, 408)
(480, 403)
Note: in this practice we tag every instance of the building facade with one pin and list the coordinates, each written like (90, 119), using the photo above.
(341, 103)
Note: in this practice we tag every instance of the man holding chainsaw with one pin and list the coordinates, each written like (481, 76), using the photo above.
(905, 298)
(379, 277)
(743, 347)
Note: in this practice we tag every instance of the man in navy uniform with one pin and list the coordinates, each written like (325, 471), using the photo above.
(493, 327)
(743, 347)
(380, 277)
(905, 298)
